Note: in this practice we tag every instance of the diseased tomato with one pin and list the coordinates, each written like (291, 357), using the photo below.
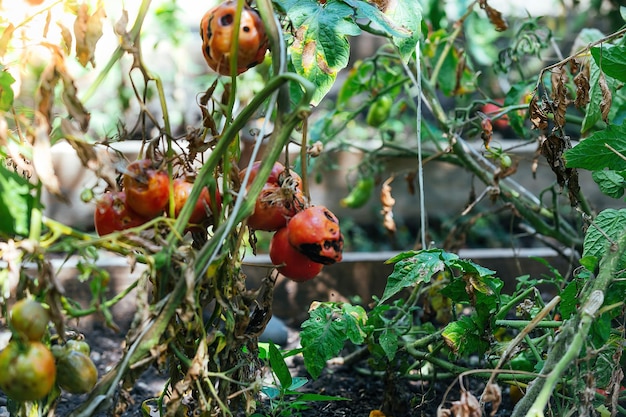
(315, 233)
(289, 262)
(146, 188)
(29, 319)
(112, 214)
(216, 31)
(280, 199)
(27, 371)
(76, 373)
(204, 208)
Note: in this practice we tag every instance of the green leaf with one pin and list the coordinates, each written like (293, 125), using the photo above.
(407, 14)
(609, 223)
(470, 267)
(279, 367)
(16, 203)
(569, 299)
(307, 397)
(298, 382)
(611, 59)
(463, 337)
(365, 10)
(327, 329)
(389, 342)
(6, 92)
(355, 83)
(419, 268)
(595, 154)
(611, 183)
(590, 263)
(320, 47)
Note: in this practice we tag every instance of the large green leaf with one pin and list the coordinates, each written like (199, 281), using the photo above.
(612, 60)
(409, 271)
(320, 46)
(603, 149)
(609, 223)
(16, 203)
(408, 14)
(611, 183)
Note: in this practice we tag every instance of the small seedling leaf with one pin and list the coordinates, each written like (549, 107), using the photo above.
(279, 367)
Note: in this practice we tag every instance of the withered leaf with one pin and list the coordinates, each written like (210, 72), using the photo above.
(466, 406)
(560, 99)
(607, 98)
(495, 17)
(6, 37)
(492, 394)
(387, 202)
(538, 117)
(582, 90)
(66, 35)
(87, 30)
(552, 148)
(42, 157)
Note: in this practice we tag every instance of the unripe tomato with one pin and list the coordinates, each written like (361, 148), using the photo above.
(379, 111)
(78, 346)
(112, 214)
(146, 187)
(27, 371)
(289, 262)
(29, 319)
(76, 373)
(315, 233)
(204, 208)
(280, 199)
(360, 194)
(216, 31)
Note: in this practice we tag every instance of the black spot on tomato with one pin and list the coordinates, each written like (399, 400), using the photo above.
(227, 19)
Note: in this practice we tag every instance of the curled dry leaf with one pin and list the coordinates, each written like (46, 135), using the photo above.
(87, 30)
(582, 90)
(538, 117)
(560, 100)
(552, 148)
(388, 202)
(316, 149)
(607, 98)
(6, 37)
(466, 406)
(492, 394)
(495, 17)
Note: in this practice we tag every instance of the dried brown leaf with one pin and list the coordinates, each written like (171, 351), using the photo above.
(560, 99)
(42, 157)
(538, 117)
(552, 148)
(607, 98)
(582, 90)
(87, 30)
(388, 203)
(45, 93)
(492, 394)
(66, 36)
(466, 406)
(495, 17)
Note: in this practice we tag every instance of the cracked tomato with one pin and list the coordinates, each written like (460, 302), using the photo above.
(112, 214)
(147, 188)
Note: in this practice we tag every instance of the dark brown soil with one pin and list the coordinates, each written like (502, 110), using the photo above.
(363, 393)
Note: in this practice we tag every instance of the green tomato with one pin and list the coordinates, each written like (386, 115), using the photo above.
(379, 111)
(76, 373)
(360, 194)
(27, 371)
(29, 319)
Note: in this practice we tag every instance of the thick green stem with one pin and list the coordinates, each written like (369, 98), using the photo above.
(572, 337)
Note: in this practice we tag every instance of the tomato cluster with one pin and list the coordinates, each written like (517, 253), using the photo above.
(306, 237)
(216, 31)
(29, 370)
(145, 195)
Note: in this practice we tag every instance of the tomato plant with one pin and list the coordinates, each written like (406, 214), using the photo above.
(146, 188)
(29, 319)
(315, 232)
(291, 263)
(112, 214)
(27, 371)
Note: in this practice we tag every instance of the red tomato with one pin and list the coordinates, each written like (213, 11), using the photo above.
(27, 371)
(146, 188)
(216, 31)
(203, 210)
(491, 109)
(289, 262)
(29, 319)
(280, 199)
(113, 215)
(315, 233)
